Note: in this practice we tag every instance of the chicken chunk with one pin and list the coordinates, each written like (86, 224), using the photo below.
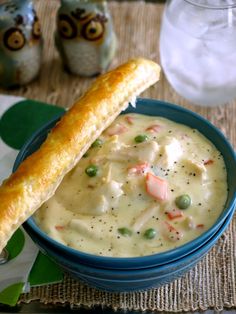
(170, 152)
(196, 168)
(144, 152)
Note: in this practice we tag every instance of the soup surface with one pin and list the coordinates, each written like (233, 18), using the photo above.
(147, 185)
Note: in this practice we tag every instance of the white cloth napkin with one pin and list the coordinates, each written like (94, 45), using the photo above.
(14, 274)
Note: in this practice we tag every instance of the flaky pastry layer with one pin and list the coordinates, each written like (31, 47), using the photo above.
(37, 178)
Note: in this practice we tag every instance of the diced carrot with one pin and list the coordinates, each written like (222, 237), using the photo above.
(59, 228)
(156, 187)
(139, 168)
(117, 129)
(208, 162)
(174, 213)
(169, 227)
(129, 120)
(172, 233)
(154, 128)
(200, 226)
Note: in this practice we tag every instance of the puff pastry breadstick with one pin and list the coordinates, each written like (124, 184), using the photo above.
(39, 175)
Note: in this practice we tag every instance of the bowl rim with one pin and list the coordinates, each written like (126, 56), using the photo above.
(142, 261)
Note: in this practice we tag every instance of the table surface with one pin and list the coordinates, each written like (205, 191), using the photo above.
(39, 308)
(55, 86)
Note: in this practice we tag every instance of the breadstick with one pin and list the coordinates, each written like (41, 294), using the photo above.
(38, 176)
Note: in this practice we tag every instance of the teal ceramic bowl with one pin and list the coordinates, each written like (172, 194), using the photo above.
(154, 108)
(119, 280)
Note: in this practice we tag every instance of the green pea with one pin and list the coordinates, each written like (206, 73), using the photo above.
(150, 233)
(91, 170)
(141, 138)
(125, 232)
(183, 201)
(97, 143)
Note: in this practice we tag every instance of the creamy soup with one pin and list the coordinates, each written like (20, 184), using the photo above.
(147, 185)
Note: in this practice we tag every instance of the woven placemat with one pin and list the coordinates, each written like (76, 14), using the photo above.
(212, 283)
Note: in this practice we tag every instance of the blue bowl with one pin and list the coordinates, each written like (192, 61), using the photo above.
(118, 280)
(154, 108)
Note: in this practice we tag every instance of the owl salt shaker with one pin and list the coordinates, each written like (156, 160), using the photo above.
(85, 37)
(20, 43)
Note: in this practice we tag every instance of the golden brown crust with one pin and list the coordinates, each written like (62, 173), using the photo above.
(39, 175)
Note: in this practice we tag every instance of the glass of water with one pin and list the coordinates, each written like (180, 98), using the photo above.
(198, 49)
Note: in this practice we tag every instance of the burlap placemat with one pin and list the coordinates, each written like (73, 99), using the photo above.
(212, 283)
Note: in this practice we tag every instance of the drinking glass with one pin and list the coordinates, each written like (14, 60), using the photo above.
(198, 49)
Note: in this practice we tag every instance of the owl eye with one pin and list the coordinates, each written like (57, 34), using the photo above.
(93, 30)
(36, 29)
(67, 27)
(14, 39)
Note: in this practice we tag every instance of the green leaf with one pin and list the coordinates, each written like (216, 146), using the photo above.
(21, 120)
(10, 295)
(15, 244)
(44, 271)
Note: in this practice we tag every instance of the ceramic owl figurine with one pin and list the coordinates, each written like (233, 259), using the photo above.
(85, 37)
(20, 43)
